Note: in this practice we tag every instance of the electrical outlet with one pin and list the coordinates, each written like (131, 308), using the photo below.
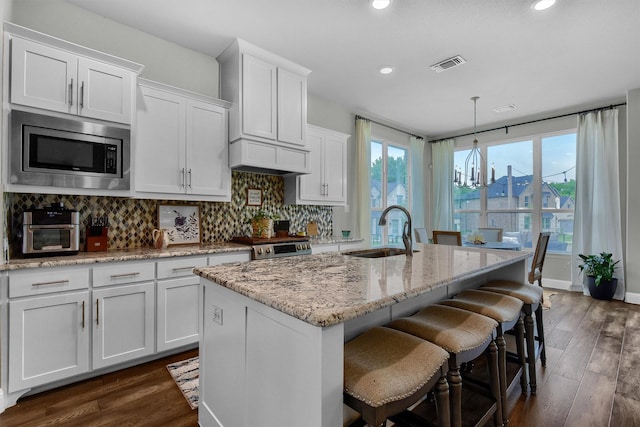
(217, 315)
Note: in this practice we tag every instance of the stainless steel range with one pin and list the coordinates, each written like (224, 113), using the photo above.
(276, 247)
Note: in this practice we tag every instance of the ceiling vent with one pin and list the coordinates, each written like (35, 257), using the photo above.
(448, 63)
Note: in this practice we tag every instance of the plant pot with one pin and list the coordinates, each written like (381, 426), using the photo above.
(605, 290)
(262, 228)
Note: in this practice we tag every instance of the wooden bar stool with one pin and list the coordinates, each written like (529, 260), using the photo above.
(386, 371)
(532, 297)
(465, 335)
(507, 312)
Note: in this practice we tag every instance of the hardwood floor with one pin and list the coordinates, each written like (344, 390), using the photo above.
(592, 378)
(143, 395)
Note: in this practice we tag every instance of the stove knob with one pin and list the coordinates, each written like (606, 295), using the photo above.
(268, 250)
(307, 246)
(298, 246)
(259, 250)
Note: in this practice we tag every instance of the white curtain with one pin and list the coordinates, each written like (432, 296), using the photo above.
(597, 225)
(363, 158)
(442, 160)
(417, 182)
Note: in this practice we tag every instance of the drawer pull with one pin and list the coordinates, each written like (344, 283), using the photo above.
(54, 282)
(118, 276)
(176, 269)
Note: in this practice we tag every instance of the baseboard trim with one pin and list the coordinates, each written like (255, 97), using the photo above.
(2, 403)
(632, 298)
(564, 285)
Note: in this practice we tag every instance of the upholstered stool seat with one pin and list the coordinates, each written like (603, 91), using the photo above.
(465, 335)
(386, 371)
(506, 311)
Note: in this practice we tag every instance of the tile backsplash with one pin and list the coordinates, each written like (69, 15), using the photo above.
(131, 221)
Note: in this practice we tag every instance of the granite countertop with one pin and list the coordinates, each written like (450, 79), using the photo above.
(332, 240)
(330, 288)
(124, 255)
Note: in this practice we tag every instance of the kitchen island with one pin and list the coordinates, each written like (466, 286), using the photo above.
(271, 347)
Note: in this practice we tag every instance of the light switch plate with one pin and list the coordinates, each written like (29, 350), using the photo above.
(217, 315)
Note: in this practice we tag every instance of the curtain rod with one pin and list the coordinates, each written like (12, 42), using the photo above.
(387, 126)
(506, 127)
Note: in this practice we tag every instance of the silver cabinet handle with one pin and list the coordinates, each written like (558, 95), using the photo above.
(176, 269)
(82, 95)
(189, 178)
(183, 178)
(97, 311)
(82, 314)
(118, 276)
(54, 282)
(71, 93)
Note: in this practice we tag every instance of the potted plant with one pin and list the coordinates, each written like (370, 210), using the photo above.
(262, 224)
(599, 270)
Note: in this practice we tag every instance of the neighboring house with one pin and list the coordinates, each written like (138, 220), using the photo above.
(515, 193)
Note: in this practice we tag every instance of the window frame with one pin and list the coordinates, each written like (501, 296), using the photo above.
(534, 208)
(386, 143)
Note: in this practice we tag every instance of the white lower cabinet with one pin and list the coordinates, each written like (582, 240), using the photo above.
(48, 339)
(177, 303)
(123, 325)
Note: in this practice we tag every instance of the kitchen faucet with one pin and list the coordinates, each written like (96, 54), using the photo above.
(406, 229)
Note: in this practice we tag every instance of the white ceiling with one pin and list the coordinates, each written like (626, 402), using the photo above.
(578, 53)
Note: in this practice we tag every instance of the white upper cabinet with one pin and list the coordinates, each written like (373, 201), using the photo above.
(181, 145)
(269, 111)
(55, 79)
(327, 182)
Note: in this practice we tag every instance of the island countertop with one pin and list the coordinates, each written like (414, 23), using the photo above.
(330, 288)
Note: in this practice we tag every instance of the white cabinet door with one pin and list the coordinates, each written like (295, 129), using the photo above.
(48, 339)
(104, 91)
(292, 107)
(160, 142)
(123, 323)
(207, 164)
(43, 77)
(312, 185)
(326, 184)
(57, 80)
(259, 97)
(335, 168)
(177, 309)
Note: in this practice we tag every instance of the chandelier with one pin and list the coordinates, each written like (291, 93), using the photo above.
(474, 165)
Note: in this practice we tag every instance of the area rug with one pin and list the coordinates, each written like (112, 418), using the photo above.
(185, 374)
(546, 297)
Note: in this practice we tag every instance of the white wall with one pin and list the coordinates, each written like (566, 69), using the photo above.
(632, 260)
(164, 61)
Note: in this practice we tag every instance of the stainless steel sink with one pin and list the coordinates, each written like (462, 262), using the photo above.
(377, 252)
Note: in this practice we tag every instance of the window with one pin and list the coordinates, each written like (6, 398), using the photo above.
(534, 191)
(389, 186)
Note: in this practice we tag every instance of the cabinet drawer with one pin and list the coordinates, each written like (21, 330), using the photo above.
(125, 272)
(179, 267)
(46, 280)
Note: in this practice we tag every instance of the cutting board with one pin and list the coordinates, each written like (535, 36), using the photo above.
(312, 229)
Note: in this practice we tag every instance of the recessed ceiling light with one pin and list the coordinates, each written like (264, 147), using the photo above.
(386, 70)
(542, 4)
(380, 4)
(505, 108)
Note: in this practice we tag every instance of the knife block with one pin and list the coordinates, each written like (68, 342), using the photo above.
(97, 239)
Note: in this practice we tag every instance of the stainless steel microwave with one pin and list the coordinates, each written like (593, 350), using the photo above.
(59, 152)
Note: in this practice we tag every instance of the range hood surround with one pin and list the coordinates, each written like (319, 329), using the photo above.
(246, 155)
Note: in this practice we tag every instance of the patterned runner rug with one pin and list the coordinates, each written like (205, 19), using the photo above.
(185, 374)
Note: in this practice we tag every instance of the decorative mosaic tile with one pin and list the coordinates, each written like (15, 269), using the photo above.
(131, 221)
